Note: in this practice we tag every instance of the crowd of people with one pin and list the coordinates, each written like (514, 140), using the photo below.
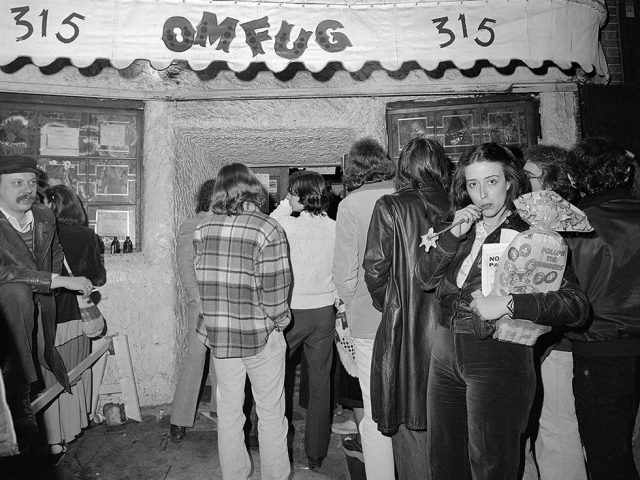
(442, 397)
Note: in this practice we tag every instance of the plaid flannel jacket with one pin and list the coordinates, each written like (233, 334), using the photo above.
(242, 268)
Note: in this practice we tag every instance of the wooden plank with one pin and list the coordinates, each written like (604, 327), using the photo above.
(97, 378)
(127, 380)
(52, 392)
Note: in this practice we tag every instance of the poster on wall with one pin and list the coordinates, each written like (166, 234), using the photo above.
(112, 223)
(112, 137)
(112, 180)
(59, 140)
(412, 127)
(264, 179)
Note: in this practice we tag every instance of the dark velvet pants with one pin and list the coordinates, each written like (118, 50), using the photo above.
(479, 396)
(314, 330)
(605, 389)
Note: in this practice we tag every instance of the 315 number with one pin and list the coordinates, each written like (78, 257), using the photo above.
(484, 26)
(20, 12)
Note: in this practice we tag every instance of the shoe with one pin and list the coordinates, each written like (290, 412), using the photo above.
(345, 428)
(352, 447)
(56, 453)
(178, 434)
(315, 464)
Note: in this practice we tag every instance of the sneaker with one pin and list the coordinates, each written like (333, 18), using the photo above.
(345, 428)
(352, 447)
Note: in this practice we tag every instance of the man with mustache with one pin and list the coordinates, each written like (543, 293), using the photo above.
(30, 263)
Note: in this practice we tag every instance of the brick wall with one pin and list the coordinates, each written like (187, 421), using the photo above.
(610, 40)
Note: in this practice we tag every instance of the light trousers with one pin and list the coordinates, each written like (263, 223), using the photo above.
(266, 372)
(558, 447)
(185, 398)
(376, 447)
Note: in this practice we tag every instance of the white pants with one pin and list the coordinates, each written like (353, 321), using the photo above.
(558, 447)
(266, 372)
(376, 447)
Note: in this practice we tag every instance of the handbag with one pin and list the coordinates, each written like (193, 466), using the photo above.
(91, 317)
(344, 340)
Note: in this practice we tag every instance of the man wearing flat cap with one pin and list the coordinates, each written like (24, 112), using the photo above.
(30, 260)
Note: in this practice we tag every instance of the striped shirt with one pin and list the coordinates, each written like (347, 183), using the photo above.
(242, 268)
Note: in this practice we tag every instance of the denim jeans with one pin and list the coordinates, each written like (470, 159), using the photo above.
(266, 372)
(606, 402)
(479, 396)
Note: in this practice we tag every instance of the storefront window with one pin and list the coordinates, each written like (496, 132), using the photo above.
(92, 146)
(458, 124)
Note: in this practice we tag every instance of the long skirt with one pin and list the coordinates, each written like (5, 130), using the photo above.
(68, 414)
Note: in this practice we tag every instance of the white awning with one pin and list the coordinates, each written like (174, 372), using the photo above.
(428, 32)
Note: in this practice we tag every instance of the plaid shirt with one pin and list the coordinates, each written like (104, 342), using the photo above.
(242, 268)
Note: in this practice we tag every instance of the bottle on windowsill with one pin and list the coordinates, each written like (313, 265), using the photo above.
(115, 245)
(127, 246)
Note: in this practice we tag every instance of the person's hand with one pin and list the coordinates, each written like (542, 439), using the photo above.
(491, 307)
(468, 215)
(77, 284)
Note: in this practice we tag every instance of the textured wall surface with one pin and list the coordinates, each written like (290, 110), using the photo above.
(139, 297)
(559, 118)
(187, 141)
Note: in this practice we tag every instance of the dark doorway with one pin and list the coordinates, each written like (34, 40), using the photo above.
(611, 111)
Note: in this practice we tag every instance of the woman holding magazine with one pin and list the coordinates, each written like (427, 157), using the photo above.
(480, 390)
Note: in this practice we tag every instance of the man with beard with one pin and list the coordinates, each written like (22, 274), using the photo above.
(30, 260)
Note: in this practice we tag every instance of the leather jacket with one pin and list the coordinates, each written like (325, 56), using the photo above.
(19, 265)
(439, 269)
(402, 347)
(607, 264)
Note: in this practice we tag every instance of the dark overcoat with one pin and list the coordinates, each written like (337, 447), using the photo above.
(402, 347)
(19, 265)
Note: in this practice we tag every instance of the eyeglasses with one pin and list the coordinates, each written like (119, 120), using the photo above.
(531, 176)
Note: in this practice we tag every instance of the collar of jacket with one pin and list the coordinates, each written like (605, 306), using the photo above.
(385, 184)
(43, 229)
(424, 186)
(619, 193)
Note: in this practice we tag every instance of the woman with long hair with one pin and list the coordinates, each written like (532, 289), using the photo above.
(311, 238)
(66, 417)
(402, 347)
(480, 390)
